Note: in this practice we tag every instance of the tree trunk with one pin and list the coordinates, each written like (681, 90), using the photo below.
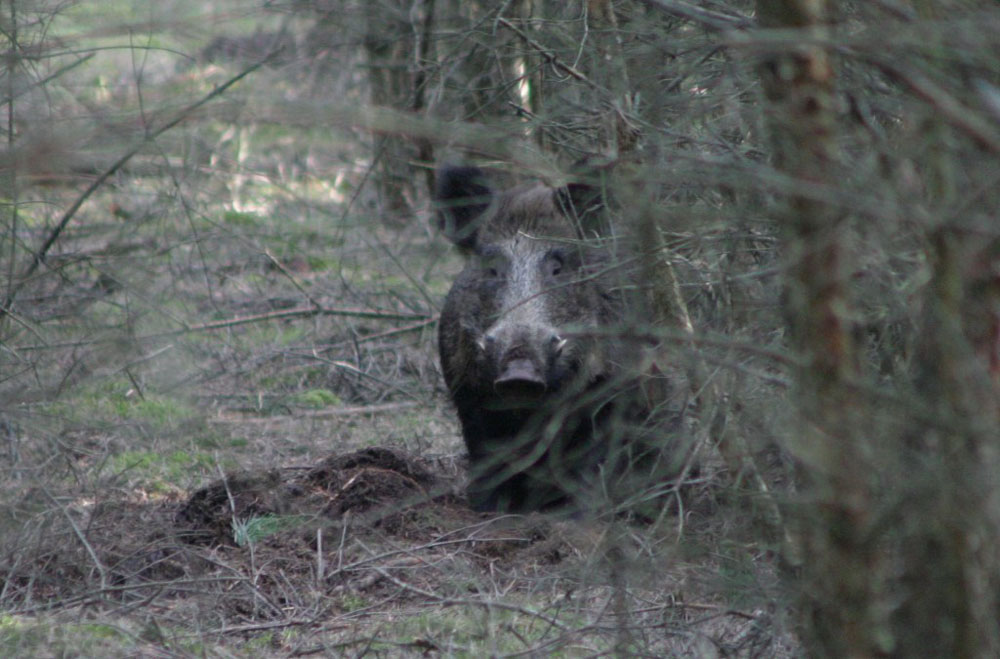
(836, 561)
(391, 47)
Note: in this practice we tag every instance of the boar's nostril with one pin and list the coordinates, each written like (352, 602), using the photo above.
(520, 378)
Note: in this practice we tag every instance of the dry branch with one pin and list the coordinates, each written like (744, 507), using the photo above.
(356, 410)
(707, 18)
(303, 312)
(958, 114)
(503, 144)
(487, 604)
(548, 55)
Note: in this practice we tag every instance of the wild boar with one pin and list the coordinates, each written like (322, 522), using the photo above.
(527, 339)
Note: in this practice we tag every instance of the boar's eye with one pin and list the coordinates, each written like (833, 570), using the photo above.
(494, 268)
(556, 262)
(492, 263)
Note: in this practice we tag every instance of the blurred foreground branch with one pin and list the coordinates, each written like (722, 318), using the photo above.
(151, 135)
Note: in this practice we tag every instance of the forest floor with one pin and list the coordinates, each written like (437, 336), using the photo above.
(375, 551)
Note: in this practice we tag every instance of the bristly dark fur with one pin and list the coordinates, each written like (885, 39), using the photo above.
(535, 393)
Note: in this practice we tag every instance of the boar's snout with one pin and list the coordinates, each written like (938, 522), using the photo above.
(522, 357)
(520, 377)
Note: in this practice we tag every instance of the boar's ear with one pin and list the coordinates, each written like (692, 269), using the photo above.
(583, 199)
(462, 196)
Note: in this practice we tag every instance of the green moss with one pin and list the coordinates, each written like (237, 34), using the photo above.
(242, 219)
(317, 398)
(112, 402)
(259, 643)
(163, 472)
(292, 381)
(322, 263)
(352, 602)
(254, 529)
(29, 637)
(161, 412)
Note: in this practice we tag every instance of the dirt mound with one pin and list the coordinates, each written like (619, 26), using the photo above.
(375, 480)
(365, 479)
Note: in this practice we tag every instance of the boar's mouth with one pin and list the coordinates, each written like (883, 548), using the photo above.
(520, 384)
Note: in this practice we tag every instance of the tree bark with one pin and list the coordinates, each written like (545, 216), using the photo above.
(391, 47)
(836, 563)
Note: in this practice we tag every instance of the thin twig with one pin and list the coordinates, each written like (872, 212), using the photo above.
(295, 282)
(40, 84)
(256, 318)
(549, 56)
(10, 176)
(448, 601)
(959, 115)
(98, 565)
(386, 334)
(713, 20)
(319, 414)
(92, 595)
